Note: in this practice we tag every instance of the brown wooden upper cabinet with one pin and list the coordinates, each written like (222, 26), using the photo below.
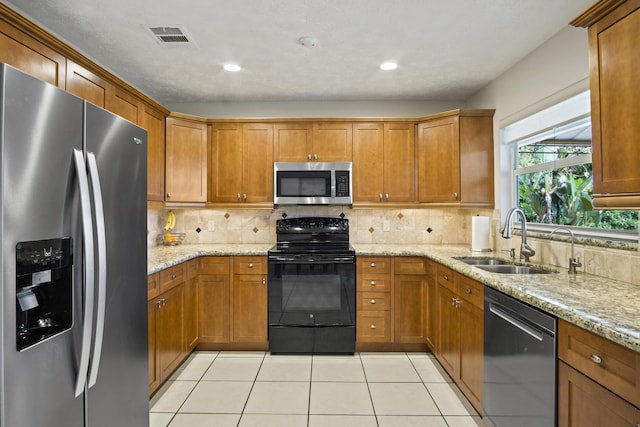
(455, 159)
(87, 85)
(154, 122)
(614, 57)
(241, 163)
(186, 160)
(384, 162)
(316, 142)
(29, 55)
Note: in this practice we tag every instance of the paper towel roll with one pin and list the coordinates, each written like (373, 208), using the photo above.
(480, 234)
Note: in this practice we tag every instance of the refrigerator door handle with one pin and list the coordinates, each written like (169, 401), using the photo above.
(87, 237)
(102, 267)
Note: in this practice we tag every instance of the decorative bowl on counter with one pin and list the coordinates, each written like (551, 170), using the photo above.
(169, 238)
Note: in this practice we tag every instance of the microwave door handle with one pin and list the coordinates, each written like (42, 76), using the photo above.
(101, 238)
(87, 237)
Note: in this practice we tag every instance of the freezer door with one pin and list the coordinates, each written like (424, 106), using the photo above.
(120, 395)
(41, 125)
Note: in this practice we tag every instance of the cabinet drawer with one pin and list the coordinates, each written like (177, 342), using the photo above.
(250, 265)
(613, 366)
(153, 286)
(447, 278)
(377, 301)
(374, 283)
(374, 265)
(214, 265)
(471, 290)
(373, 326)
(172, 276)
(410, 265)
(192, 268)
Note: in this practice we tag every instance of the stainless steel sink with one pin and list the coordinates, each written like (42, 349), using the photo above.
(482, 260)
(513, 269)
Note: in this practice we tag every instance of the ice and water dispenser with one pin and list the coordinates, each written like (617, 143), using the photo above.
(44, 290)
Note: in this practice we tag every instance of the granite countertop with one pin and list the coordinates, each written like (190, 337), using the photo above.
(608, 308)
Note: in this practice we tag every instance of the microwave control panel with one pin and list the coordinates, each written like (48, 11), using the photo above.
(342, 183)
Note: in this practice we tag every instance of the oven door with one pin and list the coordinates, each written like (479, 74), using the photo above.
(311, 290)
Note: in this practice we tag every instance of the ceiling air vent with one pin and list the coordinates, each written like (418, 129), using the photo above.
(171, 36)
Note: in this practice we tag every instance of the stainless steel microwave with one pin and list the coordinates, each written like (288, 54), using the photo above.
(312, 183)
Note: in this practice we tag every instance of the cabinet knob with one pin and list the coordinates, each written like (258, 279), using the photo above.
(469, 291)
(158, 304)
(446, 277)
(173, 277)
(380, 196)
(387, 196)
(372, 326)
(168, 195)
(315, 157)
(455, 196)
(264, 280)
(373, 283)
(372, 301)
(244, 197)
(250, 265)
(373, 265)
(596, 359)
(238, 196)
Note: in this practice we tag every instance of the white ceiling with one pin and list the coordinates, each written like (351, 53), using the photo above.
(446, 49)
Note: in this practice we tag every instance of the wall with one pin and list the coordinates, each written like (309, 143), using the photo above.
(555, 71)
(406, 226)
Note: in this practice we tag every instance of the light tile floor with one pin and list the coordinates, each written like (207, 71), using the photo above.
(249, 389)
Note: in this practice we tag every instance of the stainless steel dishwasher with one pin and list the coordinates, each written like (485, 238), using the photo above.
(519, 363)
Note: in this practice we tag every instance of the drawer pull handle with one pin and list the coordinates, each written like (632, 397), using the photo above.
(469, 291)
(372, 301)
(173, 277)
(372, 326)
(373, 283)
(250, 265)
(446, 277)
(596, 359)
(373, 265)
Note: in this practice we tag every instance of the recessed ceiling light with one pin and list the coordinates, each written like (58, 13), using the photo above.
(387, 66)
(232, 67)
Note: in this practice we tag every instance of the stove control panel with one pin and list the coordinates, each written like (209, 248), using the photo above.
(312, 225)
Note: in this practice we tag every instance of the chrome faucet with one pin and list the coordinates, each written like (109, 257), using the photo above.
(573, 261)
(526, 251)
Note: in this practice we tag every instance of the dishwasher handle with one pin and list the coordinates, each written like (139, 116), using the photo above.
(515, 322)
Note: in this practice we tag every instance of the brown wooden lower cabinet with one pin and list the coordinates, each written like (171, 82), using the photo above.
(250, 300)
(583, 402)
(213, 308)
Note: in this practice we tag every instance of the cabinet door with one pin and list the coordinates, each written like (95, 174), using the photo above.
(83, 83)
(368, 168)
(154, 368)
(26, 54)
(332, 142)
(213, 308)
(250, 308)
(584, 403)
(191, 314)
(439, 161)
(169, 338)
(225, 160)
(186, 161)
(123, 104)
(153, 121)
(292, 142)
(399, 162)
(471, 352)
(431, 313)
(448, 332)
(409, 308)
(257, 175)
(615, 98)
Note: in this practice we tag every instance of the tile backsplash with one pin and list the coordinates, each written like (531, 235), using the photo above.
(392, 226)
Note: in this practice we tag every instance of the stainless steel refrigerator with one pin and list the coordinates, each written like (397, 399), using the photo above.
(73, 318)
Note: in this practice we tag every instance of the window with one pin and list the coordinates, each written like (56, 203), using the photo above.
(553, 181)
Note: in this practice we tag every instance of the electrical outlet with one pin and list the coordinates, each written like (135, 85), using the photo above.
(211, 226)
(386, 225)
